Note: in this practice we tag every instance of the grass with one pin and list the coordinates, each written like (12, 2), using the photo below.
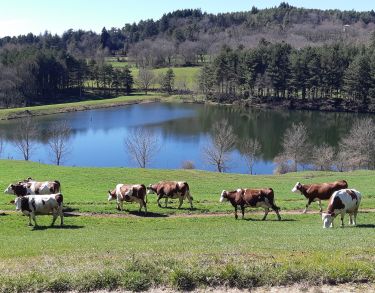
(75, 106)
(139, 253)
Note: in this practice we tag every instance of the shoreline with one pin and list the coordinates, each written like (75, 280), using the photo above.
(321, 105)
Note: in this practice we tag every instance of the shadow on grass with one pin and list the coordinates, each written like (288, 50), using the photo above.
(3, 214)
(69, 209)
(366, 226)
(57, 227)
(148, 215)
(269, 220)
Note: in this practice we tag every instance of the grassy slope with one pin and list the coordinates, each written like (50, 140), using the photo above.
(76, 106)
(135, 253)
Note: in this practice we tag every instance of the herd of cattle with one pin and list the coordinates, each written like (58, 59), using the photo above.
(33, 197)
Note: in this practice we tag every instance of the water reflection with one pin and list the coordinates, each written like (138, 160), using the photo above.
(97, 135)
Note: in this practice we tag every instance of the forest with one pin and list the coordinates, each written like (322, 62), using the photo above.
(280, 52)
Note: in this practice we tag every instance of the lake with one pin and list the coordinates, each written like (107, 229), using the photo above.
(183, 130)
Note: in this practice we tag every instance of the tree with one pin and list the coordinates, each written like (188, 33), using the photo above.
(105, 38)
(250, 150)
(145, 79)
(141, 144)
(127, 79)
(167, 81)
(323, 157)
(359, 145)
(58, 141)
(294, 145)
(222, 142)
(23, 139)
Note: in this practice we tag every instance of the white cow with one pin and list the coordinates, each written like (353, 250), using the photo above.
(30, 205)
(33, 187)
(341, 202)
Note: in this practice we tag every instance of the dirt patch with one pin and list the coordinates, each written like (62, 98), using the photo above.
(296, 288)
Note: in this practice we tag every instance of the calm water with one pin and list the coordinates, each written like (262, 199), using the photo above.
(184, 129)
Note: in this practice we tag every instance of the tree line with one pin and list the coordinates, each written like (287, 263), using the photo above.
(280, 71)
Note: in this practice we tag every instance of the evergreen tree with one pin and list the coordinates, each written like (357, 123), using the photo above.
(167, 81)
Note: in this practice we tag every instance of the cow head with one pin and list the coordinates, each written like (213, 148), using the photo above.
(111, 195)
(18, 202)
(9, 189)
(327, 220)
(297, 187)
(223, 196)
(150, 189)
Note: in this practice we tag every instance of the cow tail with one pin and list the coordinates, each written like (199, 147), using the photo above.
(58, 188)
(272, 200)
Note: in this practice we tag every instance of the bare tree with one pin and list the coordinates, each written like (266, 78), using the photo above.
(223, 140)
(323, 157)
(23, 139)
(294, 146)
(358, 148)
(58, 141)
(250, 150)
(188, 165)
(145, 79)
(141, 145)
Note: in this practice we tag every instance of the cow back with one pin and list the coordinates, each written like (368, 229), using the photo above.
(254, 196)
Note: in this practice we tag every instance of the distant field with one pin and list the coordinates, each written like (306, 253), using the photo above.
(95, 252)
(76, 106)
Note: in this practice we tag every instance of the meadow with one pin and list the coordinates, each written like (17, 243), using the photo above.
(99, 249)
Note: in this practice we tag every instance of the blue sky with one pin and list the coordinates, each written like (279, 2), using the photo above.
(23, 16)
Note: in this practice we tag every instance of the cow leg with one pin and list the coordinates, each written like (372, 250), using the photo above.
(181, 199)
(145, 206)
(55, 214)
(342, 220)
(350, 219)
(166, 201)
(277, 213)
(320, 205)
(266, 211)
(243, 212)
(355, 217)
(158, 201)
(61, 216)
(235, 212)
(307, 205)
(30, 224)
(190, 201)
(34, 219)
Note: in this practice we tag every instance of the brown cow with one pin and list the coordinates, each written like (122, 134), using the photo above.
(319, 191)
(128, 193)
(251, 198)
(171, 189)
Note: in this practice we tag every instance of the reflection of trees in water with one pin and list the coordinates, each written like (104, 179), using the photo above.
(267, 126)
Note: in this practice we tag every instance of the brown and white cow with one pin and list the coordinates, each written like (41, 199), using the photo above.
(251, 198)
(30, 187)
(30, 205)
(342, 201)
(171, 189)
(318, 191)
(128, 193)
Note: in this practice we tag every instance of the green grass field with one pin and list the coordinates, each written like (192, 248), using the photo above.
(100, 252)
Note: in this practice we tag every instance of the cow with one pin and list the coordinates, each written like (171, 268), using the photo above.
(251, 198)
(30, 187)
(30, 205)
(171, 189)
(341, 202)
(128, 193)
(319, 191)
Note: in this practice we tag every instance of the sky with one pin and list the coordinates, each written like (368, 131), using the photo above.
(56, 16)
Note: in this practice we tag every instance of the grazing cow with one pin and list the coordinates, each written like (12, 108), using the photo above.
(251, 198)
(30, 205)
(171, 189)
(29, 187)
(128, 193)
(342, 201)
(319, 192)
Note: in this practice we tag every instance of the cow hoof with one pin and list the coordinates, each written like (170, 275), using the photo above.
(30, 225)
